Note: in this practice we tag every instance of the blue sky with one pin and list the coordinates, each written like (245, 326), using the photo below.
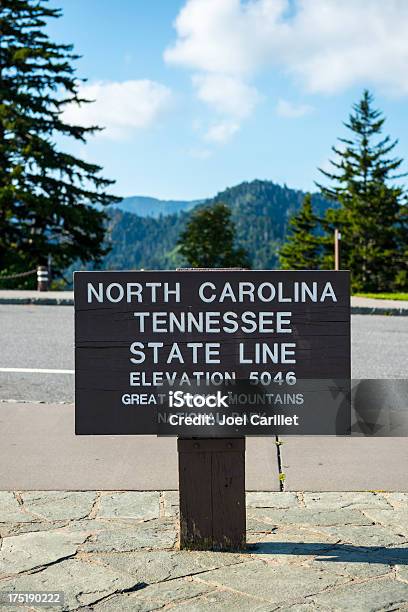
(199, 95)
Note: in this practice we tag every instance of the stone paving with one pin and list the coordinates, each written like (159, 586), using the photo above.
(117, 551)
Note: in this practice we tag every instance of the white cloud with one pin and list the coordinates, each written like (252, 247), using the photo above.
(221, 132)
(210, 34)
(222, 35)
(289, 110)
(338, 44)
(325, 45)
(119, 107)
(226, 94)
(231, 98)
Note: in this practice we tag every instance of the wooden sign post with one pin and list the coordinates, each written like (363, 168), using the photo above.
(211, 357)
(212, 493)
(212, 490)
(337, 245)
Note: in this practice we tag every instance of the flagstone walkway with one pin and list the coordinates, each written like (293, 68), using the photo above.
(111, 551)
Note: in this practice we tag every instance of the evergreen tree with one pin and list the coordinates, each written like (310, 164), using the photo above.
(208, 239)
(47, 197)
(302, 251)
(371, 214)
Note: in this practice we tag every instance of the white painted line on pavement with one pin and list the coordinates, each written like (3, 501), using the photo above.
(37, 371)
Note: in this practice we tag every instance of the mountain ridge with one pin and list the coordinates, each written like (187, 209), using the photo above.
(147, 206)
(260, 210)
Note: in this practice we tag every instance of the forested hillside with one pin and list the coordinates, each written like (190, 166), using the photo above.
(143, 242)
(260, 210)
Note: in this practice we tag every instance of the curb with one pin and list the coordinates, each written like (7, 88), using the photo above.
(38, 301)
(390, 312)
(360, 310)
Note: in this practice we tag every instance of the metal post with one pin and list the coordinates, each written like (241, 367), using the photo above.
(42, 278)
(337, 238)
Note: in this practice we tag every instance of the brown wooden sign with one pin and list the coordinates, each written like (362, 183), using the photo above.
(241, 352)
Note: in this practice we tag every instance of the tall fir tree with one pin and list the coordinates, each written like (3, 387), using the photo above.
(372, 213)
(47, 196)
(302, 250)
(208, 240)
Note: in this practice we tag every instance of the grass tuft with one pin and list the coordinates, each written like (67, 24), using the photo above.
(384, 296)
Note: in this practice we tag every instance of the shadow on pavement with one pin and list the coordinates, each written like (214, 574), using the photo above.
(340, 553)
